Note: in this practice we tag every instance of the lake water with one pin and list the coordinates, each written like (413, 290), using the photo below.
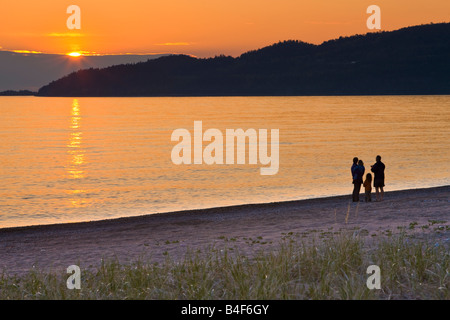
(68, 160)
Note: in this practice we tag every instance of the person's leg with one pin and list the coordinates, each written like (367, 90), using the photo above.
(358, 190)
(354, 194)
(381, 193)
(377, 191)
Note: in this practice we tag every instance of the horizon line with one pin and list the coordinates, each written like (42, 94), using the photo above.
(93, 53)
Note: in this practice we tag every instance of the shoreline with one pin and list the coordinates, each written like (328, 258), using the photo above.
(156, 236)
(211, 209)
(236, 95)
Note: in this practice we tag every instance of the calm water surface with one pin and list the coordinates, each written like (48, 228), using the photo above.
(68, 160)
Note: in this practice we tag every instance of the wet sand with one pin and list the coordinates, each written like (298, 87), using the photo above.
(247, 227)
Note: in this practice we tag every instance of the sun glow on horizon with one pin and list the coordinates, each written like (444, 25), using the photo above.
(75, 54)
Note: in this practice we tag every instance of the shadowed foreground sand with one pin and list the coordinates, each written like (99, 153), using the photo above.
(247, 227)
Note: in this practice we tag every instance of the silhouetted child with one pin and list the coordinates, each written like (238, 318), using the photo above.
(368, 187)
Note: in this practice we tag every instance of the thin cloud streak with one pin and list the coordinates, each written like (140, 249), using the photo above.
(67, 34)
(174, 44)
(328, 22)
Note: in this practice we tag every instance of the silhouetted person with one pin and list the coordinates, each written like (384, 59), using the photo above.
(378, 180)
(368, 187)
(358, 174)
(354, 165)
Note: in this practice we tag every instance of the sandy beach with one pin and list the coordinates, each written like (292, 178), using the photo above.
(247, 227)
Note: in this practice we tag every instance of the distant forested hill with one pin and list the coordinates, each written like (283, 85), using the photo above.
(413, 60)
(21, 71)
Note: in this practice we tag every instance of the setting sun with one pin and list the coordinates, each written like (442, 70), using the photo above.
(74, 54)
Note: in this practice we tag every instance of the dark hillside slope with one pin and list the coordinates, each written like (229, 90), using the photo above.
(414, 60)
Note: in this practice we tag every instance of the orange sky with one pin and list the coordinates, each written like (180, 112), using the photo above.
(200, 27)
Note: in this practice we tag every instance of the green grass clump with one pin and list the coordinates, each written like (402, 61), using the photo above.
(325, 268)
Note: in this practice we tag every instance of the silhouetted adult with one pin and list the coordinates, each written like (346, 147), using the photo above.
(354, 165)
(357, 174)
(378, 180)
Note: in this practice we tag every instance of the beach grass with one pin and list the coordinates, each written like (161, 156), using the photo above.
(330, 267)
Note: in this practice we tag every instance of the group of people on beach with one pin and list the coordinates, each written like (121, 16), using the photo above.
(358, 171)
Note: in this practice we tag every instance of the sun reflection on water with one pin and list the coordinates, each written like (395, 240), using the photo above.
(75, 169)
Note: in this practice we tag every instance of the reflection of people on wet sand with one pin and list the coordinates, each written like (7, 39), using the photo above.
(378, 180)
